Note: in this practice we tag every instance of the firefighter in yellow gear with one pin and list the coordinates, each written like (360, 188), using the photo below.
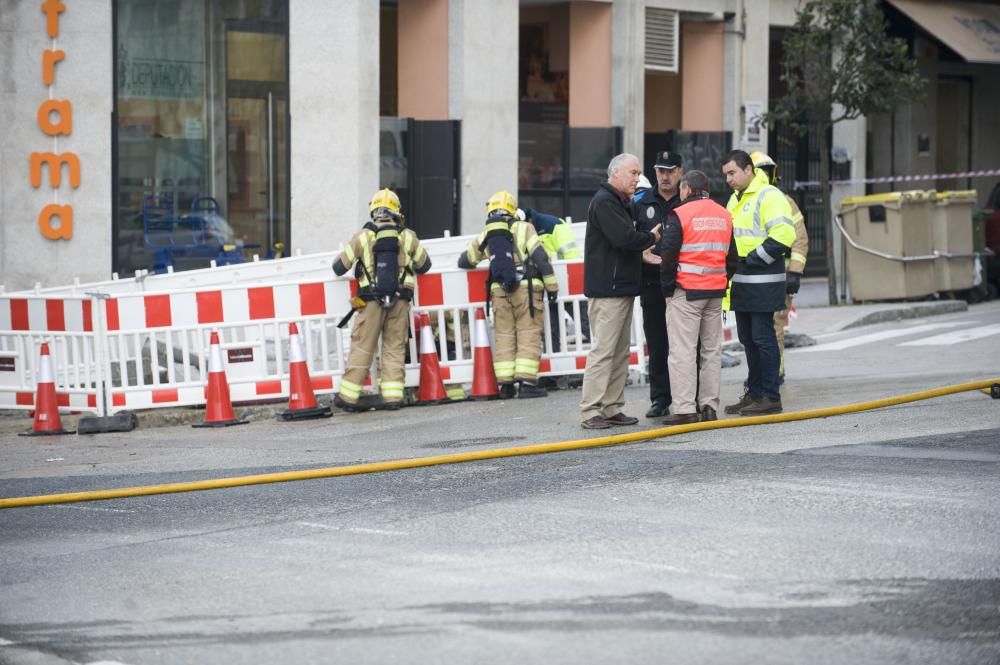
(519, 273)
(795, 264)
(385, 256)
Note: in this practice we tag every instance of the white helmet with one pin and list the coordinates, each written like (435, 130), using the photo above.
(643, 184)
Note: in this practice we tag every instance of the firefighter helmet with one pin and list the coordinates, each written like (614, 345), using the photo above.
(502, 202)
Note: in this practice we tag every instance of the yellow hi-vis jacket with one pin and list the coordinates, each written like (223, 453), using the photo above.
(762, 227)
(561, 243)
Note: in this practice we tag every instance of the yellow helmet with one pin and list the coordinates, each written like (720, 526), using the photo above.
(502, 201)
(763, 161)
(384, 198)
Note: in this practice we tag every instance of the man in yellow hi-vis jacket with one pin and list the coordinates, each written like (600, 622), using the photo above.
(519, 272)
(762, 227)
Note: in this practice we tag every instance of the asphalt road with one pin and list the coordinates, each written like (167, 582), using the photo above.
(870, 537)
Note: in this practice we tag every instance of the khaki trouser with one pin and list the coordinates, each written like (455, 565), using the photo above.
(393, 326)
(688, 323)
(518, 334)
(607, 363)
(780, 323)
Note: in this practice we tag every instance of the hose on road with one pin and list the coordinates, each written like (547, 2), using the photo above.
(457, 458)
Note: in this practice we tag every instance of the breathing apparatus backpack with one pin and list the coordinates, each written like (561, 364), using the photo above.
(499, 246)
(385, 285)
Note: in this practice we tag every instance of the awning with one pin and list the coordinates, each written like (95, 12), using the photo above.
(970, 29)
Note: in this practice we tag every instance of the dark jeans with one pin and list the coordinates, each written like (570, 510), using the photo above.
(556, 319)
(756, 333)
(654, 326)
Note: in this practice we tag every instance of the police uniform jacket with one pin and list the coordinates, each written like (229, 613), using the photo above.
(648, 210)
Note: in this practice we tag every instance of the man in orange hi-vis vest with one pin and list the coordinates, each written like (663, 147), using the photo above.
(699, 257)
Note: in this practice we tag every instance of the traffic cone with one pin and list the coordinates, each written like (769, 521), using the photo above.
(301, 399)
(484, 378)
(218, 407)
(47, 420)
(431, 389)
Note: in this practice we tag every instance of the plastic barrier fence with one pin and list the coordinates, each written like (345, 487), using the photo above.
(148, 350)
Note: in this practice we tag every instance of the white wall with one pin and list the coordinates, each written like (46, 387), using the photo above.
(334, 88)
(482, 93)
(84, 78)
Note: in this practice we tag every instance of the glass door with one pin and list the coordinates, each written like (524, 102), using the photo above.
(257, 136)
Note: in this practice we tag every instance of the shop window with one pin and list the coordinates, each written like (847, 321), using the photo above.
(200, 160)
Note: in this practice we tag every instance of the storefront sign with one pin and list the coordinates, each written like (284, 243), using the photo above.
(55, 118)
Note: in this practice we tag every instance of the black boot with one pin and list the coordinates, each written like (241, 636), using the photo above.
(708, 413)
(531, 389)
(507, 391)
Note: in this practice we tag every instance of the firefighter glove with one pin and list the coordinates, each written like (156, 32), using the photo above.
(792, 282)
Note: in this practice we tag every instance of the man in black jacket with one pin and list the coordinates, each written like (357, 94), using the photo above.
(650, 209)
(612, 277)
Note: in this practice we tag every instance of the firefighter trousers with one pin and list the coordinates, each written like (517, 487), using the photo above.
(780, 323)
(393, 326)
(518, 334)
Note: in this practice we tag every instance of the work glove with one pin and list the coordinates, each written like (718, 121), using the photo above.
(792, 282)
(552, 296)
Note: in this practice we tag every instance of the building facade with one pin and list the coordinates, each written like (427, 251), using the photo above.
(152, 135)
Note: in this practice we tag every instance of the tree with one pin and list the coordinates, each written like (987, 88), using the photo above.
(839, 55)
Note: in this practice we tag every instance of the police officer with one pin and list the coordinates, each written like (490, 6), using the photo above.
(560, 244)
(650, 210)
(795, 265)
(519, 272)
(385, 256)
(762, 227)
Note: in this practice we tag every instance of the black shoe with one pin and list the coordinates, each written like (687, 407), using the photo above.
(345, 406)
(507, 391)
(389, 406)
(529, 389)
(657, 410)
(745, 401)
(762, 407)
(681, 419)
(708, 414)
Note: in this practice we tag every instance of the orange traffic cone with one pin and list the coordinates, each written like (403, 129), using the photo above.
(484, 378)
(218, 407)
(431, 389)
(301, 399)
(47, 419)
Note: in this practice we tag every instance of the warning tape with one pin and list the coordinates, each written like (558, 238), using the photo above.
(806, 184)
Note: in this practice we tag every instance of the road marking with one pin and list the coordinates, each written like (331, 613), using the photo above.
(99, 510)
(354, 529)
(6, 643)
(879, 336)
(956, 336)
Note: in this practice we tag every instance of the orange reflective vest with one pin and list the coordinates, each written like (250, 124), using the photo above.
(706, 230)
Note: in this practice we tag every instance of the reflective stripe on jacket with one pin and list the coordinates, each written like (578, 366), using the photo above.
(706, 229)
(411, 256)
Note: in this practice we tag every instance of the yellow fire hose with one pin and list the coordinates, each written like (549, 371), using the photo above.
(537, 449)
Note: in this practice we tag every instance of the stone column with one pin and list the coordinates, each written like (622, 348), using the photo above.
(628, 83)
(333, 86)
(482, 93)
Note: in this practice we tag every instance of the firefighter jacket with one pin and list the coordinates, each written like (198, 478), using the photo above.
(800, 248)
(698, 249)
(530, 258)
(762, 227)
(412, 258)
